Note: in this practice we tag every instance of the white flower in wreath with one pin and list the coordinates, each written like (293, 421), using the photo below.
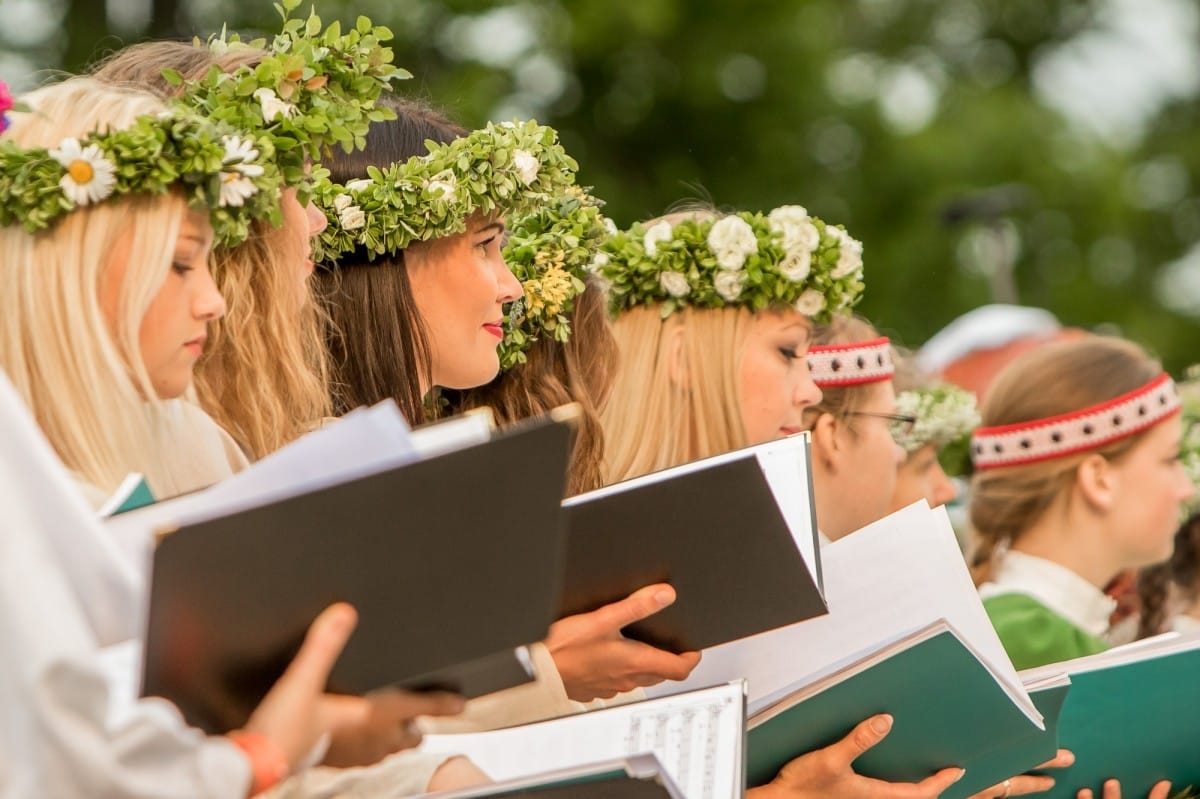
(272, 106)
(849, 254)
(599, 262)
(359, 184)
(527, 166)
(810, 303)
(352, 218)
(235, 190)
(442, 186)
(795, 228)
(729, 284)
(241, 155)
(610, 226)
(796, 265)
(732, 240)
(342, 202)
(675, 283)
(90, 176)
(659, 232)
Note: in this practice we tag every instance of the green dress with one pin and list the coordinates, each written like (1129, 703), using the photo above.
(1033, 635)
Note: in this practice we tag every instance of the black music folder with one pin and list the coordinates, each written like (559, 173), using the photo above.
(734, 534)
(453, 564)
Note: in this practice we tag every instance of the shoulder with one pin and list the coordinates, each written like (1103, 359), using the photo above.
(1033, 635)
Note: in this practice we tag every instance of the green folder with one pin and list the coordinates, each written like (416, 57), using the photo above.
(948, 708)
(1136, 722)
(133, 493)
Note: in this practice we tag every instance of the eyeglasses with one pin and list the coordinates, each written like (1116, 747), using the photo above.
(902, 423)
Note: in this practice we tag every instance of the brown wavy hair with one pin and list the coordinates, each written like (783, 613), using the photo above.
(579, 370)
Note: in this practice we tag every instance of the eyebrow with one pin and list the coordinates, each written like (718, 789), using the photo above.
(498, 227)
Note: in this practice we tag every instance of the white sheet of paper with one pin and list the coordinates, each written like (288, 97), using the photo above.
(698, 736)
(891, 577)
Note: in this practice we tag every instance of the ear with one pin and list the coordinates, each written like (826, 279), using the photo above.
(677, 366)
(1096, 482)
(827, 446)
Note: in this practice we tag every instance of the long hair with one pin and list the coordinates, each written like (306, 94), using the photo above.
(376, 343)
(264, 376)
(675, 398)
(82, 377)
(580, 370)
(1054, 380)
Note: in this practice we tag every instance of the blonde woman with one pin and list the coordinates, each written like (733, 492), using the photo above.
(714, 323)
(1077, 478)
(264, 376)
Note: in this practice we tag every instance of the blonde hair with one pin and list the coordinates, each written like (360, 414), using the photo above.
(1053, 380)
(264, 376)
(82, 377)
(675, 398)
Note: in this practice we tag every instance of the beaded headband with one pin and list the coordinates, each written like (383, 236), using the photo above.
(1069, 433)
(836, 365)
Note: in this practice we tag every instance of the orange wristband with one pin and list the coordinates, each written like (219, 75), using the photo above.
(268, 763)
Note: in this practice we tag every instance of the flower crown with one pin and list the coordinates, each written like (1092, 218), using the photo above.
(1067, 434)
(843, 365)
(313, 89)
(944, 414)
(511, 168)
(217, 168)
(754, 260)
(551, 252)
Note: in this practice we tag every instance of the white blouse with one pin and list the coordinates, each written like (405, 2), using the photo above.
(1055, 586)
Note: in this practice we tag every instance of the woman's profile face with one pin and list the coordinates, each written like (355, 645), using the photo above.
(921, 476)
(774, 384)
(303, 223)
(174, 329)
(460, 285)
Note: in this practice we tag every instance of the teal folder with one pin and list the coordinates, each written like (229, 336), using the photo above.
(948, 708)
(1136, 722)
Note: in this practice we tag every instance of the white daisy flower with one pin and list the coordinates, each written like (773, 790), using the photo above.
(236, 188)
(90, 176)
(241, 155)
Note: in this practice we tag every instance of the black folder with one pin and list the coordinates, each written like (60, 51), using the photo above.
(716, 534)
(451, 562)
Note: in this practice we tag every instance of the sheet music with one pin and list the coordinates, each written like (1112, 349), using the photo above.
(698, 737)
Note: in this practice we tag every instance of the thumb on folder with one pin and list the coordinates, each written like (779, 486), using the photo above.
(596, 662)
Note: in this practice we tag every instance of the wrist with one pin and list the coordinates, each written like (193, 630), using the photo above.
(268, 763)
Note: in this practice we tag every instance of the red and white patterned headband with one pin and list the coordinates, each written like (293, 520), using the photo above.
(835, 365)
(1092, 427)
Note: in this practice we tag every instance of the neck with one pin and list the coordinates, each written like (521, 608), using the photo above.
(833, 516)
(1062, 536)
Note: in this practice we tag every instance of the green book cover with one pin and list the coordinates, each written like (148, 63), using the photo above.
(948, 711)
(1135, 722)
(995, 768)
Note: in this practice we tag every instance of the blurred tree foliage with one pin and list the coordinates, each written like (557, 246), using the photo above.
(916, 123)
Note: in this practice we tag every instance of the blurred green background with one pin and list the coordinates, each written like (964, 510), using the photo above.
(1033, 151)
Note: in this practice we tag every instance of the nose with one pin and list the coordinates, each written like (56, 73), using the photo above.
(208, 304)
(510, 287)
(316, 219)
(807, 392)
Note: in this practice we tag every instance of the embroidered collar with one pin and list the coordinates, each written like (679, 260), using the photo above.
(1057, 587)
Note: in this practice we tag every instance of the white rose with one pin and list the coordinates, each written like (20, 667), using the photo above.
(610, 226)
(796, 265)
(660, 232)
(599, 262)
(732, 240)
(787, 216)
(342, 202)
(272, 106)
(729, 285)
(527, 166)
(675, 283)
(849, 255)
(361, 184)
(352, 218)
(811, 303)
(443, 186)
